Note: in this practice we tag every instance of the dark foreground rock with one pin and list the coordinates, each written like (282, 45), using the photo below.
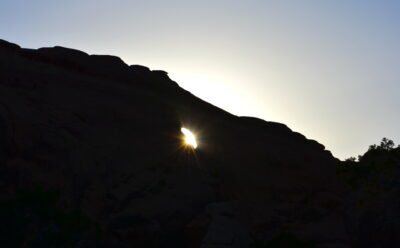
(106, 136)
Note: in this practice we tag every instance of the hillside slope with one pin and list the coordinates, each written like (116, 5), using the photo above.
(106, 135)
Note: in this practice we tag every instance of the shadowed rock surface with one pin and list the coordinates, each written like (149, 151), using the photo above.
(106, 136)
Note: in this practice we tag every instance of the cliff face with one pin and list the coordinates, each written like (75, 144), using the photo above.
(107, 137)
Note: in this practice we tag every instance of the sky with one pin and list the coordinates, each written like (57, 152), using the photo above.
(327, 69)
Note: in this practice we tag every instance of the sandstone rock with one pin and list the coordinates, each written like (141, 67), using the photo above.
(225, 230)
(7, 45)
(107, 136)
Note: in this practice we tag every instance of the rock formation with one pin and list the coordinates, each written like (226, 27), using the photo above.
(106, 136)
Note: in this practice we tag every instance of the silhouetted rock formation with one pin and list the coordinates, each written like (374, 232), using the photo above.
(107, 137)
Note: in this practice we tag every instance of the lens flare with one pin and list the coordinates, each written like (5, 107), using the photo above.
(190, 139)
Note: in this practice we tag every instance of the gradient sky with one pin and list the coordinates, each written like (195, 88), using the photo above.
(327, 69)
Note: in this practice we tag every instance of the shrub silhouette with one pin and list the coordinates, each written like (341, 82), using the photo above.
(373, 169)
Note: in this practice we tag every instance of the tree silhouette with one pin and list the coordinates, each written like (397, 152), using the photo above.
(386, 144)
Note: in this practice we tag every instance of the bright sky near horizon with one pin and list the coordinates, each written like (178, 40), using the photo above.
(327, 69)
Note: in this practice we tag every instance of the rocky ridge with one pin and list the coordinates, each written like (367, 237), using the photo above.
(106, 135)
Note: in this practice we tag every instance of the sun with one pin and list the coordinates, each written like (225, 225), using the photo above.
(190, 139)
